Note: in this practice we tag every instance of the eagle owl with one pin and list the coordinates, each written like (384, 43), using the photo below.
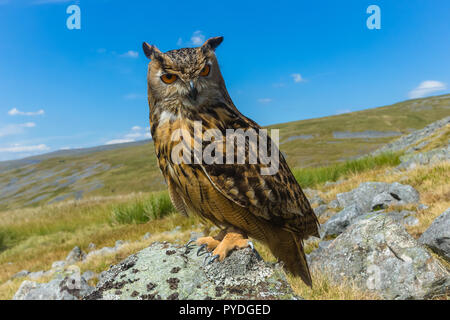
(186, 86)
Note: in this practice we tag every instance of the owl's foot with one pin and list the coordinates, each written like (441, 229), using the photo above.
(230, 242)
(206, 244)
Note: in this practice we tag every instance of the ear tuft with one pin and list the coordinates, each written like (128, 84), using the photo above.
(150, 51)
(212, 43)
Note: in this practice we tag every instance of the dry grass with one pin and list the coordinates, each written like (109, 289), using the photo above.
(326, 289)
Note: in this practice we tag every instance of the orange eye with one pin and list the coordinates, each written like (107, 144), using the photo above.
(205, 71)
(168, 78)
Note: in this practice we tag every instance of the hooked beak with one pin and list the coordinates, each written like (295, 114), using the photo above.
(192, 91)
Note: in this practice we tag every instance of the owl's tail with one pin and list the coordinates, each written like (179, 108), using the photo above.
(289, 249)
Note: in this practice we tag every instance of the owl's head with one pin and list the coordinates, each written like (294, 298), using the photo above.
(191, 75)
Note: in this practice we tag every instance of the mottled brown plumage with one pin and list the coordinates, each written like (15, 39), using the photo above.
(235, 197)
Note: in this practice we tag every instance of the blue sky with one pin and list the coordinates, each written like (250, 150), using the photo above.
(282, 61)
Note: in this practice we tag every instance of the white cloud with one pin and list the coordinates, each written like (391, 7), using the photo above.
(12, 129)
(179, 42)
(297, 77)
(135, 134)
(17, 112)
(343, 111)
(116, 141)
(19, 148)
(425, 88)
(197, 38)
(264, 100)
(130, 54)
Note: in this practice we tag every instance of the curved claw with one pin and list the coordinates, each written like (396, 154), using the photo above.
(252, 246)
(189, 242)
(188, 247)
(213, 258)
(202, 247)
(208, 254)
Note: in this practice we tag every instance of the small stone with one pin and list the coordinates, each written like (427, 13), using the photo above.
(119, 243)
(146, 236)
(76, 255)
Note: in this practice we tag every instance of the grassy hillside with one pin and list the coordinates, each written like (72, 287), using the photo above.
(132, 168)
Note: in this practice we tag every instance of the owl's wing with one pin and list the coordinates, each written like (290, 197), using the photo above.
(277, 198)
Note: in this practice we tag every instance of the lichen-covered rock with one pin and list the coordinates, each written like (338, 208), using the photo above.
(68, 285)
(437, 236)
(168, 271)
(377, 254)
(364, 195)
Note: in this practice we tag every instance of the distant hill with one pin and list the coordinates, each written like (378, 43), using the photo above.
(131, 167)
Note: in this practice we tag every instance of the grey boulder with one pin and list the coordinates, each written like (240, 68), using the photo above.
(340, 221)
(378, 255)
(369, 194)
(437, 236)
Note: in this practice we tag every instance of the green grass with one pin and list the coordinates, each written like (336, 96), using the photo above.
(143, 210)
(2, 240)
(310, 177)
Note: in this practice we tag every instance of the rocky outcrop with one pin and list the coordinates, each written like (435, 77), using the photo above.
(67, 285)
(412, 160)
(377, 254)
(168, 271)
(413, 138)
(437, 236)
